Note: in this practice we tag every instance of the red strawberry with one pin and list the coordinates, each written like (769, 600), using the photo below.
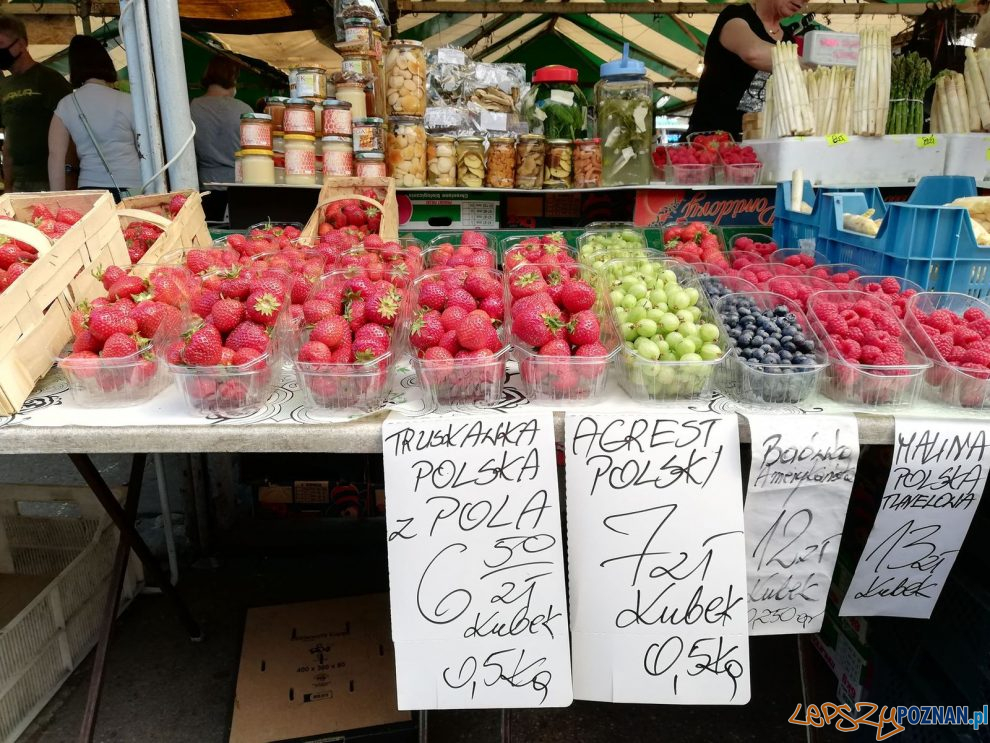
(246, 355)
(175, 204)
(383, 307)
(314, 352)
(262, 307)
(203, 302)
(452, 317)
(494, 306)
(355, 313)
(583, 328)
(555, 347)
(536, 327)
(226, 314)
(315, 310)
(248, 335)
(39, 213)
(462, 298)
(83, 364)
(330, 331)
(84, 341)
(150, 315)
(126, 286)
(433, 295)
(110, 275)
(426, 330)
(482, 284)
(472, 333)
(577, 295)
(68, 216)
(449, 342)
(105, 321)
(522, 284)
(203, 348)
(370, 341)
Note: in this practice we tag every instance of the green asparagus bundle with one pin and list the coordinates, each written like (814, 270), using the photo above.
(910, 76)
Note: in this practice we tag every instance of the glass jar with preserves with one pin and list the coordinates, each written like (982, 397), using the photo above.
(338, 156)
(441, 161)
(587, 163)
(300, 159)
(336, 119)
(279, 167)
(406, 148)
(624, 97)
(256, 131)
(357, 29)
(555, 105)
(501, 170)
(308, 82)
(405, 79)
(275, 107)
(353, 93)
(369, 135)
(470, 162)
(370, 165)
(530, 156)
(278, 142)
(257, 166)
(299, 117)
(357, 64)
(558, 168)
(239, 166)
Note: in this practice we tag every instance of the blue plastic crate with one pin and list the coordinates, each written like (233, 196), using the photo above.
(933, 246)
(939, 190)
(790, 228)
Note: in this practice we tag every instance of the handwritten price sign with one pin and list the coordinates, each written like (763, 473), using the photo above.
(799, 486)
(933, 490)
(657, 573)
(476, 569)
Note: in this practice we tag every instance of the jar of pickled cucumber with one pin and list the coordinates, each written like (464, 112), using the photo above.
(470, 162)
(406, 148)
(530, 156)
(441, 161)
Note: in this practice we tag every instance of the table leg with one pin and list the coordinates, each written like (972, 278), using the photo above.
(103, 493)
(506, 736)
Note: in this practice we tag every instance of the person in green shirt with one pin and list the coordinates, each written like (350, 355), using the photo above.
(28, 96)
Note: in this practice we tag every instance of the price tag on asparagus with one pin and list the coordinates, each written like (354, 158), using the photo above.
(927, 140)
(834, 139)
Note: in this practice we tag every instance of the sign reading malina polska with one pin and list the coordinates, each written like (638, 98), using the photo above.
(656, 558)
(476, 569)
(936, 480)
(799, 485)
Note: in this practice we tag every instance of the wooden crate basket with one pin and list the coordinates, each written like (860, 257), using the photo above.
(56, 553)
(335, 189)
(34, 311)
(187, 230)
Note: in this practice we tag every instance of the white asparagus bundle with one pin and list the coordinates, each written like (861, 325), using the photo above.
(950, 106)
(829, 89)
(769, 113)
(872, 87)
(976, 91)
(791, 102)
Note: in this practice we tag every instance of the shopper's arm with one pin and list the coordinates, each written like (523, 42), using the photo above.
(738, 38)
(58, 149)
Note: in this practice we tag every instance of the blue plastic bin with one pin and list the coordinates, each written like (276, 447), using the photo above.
(933, 246)
(790, 228)
(939, 190)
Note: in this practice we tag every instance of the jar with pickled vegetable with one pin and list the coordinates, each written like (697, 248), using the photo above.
(530, 156)
(441, 161)
(405, 79)
(558, 168)
(624, 98)
(407, 151)
(470, 162)
(501, 170)
(587, 163)
(556, 106)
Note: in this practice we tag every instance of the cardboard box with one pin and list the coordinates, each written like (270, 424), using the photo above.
(312, 492)
(277, 494)
(320, 670)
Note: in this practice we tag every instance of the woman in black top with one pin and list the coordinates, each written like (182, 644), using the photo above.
(737, 63)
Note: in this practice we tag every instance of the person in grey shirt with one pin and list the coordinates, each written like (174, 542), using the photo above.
(217, 116)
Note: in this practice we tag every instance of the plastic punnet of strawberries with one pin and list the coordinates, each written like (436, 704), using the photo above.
(560, 339)
(112, 358)
(694, 243)
(455, 331)
(390, 260)
(471, 249)
(346, 351)
(874, 361)
(954, 331)
(550, 250)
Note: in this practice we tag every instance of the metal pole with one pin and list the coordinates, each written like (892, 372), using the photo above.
(173, 95)
(141, 73)
(173, 562)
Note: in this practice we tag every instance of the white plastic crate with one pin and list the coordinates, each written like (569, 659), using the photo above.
(56, 554)
(968, 154)
(876, 161)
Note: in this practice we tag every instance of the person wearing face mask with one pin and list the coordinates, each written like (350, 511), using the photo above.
(737, 63)
(28, 96)
(217, 116)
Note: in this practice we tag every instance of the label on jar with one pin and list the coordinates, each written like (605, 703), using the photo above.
(256, 135)
(450, 56)
(356, 67)
(336, 122)
(238, 170)
(299, 121)
(367, 139)
(310, 84)
(370, 169)
(564, 97)
(338, 163)
(357, 33)
(301, 161)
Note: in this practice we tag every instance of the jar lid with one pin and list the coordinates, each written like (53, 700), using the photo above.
(299, 102)
(337, 140)
(350, 84)
(369, 121)
(405, 42)
(560, 142)
(278, 134)
(471, 140)
(593, 140)
(249, 153)
(624, 66)
(502, 140)
(532, 138)
(334, 103)
(441, 138)
(407, 120)
(312, 68)
(374, 156)
(357, 22)
(259, 117)
(356, 55)
(300, 137)
(277, 99)
(555, 73)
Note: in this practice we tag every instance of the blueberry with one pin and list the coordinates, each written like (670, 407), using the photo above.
(806, 346)
(789, 346)
(773, 343)
(786, 357)
(771, 358)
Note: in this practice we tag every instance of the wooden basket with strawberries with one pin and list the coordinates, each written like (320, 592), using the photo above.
(365, 206)
(61, 237)
(157, 224)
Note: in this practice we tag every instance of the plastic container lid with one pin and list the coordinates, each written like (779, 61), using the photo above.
(555, 73)
(623, 67)
(301, 137)
(248, 153)
(299, 102)
(370, 156)
(337, 140)
(276, 99)
(370, 121)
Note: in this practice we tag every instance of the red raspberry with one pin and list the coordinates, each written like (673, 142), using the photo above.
(887, 322)
(867, 326)
(955, 356)
(976, 370)
(973, 314)
(869, 354)
(890, 285)
(856, 334)
(943, 320)
(976, 356)
(982, 327)
(964, 336)
(943, 344)
(849, 349)
(837, 326)
(863, 308)
(891, 357)
(825, 310)
(850, 316)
